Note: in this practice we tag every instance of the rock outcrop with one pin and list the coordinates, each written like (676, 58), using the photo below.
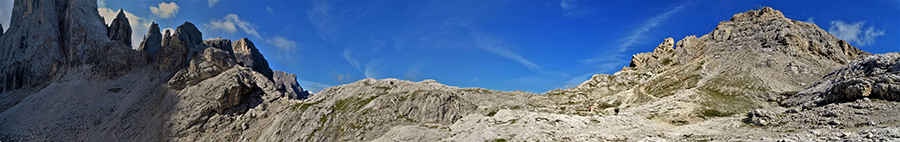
(247, 55)
(876, 77)
(288, 82)
(1, 30)
(659, 58)
(211, 62)
(224, 44)
(119, 29)
(176, 47)
(152, 42)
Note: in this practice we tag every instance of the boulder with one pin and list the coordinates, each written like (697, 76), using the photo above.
(247, 55)
(760, 117)
(288, 82)
(152, 41)
(119, 29)
(176, 48)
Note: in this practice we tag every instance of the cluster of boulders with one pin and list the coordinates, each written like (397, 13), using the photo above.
(873, 77)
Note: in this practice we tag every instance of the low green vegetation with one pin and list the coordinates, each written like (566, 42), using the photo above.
(492, 113)
(304, 106)
(666, 61)
(351, 104)
(383, 88)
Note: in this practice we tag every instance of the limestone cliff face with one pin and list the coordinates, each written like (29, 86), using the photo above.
(68, 77)
(46, 37)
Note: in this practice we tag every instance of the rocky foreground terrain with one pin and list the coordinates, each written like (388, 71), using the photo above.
(756, 77)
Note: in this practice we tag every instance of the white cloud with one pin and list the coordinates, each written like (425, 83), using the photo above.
(165, 10)
(567, 4)
(342, 77)
(854, 32)
(212, 2)
(281, 42)
(270, 10)
(496, 46)
(312, 87)
(350, 59)
(637, 35)
(570, 9)
(223, 25)
(6, 7)
(170, 30)
(139, 25)
(374, 67)
(810, 20)
(231, 23)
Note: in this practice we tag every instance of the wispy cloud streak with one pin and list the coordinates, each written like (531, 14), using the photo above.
(312, 86)
(638, 34)
(482, 74)
(497, 46)
(350, 59)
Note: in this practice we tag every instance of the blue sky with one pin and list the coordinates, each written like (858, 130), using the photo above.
(532, 46)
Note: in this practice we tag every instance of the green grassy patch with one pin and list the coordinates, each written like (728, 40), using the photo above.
(662, 87)
(350, 104)
(725, 102)
(666, 61)
(304, 106)
(385, 88)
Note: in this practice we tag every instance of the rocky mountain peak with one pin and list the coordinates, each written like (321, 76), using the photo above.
(152, 41)
(765, 13)
(247, 55)
(747, 59)
(119, 29)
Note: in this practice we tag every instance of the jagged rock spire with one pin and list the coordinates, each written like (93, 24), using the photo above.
(119, 29)
(152, 41)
